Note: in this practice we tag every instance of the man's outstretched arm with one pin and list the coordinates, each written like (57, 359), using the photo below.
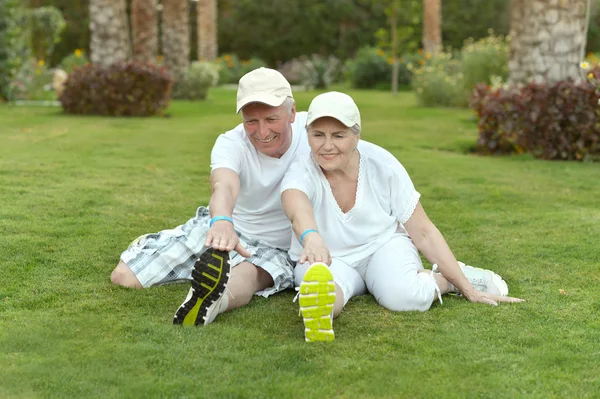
(225, 185)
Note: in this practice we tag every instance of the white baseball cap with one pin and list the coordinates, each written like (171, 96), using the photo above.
(263, 85)
(335, 105)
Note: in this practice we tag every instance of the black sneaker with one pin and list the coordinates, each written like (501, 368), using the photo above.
(210, 277)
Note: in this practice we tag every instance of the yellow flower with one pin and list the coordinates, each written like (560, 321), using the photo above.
(427, 56)
(390, 60)
(227, 57)
(420, 51)
(41, 63)
(380, 52)
(421, 62)
(584, 65)
(590, 76)
(159, 58)
(78, 53)
(230, 64)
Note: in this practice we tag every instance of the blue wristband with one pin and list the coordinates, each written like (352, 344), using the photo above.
(217, 218)
(305, 233)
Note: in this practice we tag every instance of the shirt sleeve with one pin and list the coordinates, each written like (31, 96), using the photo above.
(227, 153)
(404, 196)
(298, 177)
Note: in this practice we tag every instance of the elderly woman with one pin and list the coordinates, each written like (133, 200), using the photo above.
(354, 208)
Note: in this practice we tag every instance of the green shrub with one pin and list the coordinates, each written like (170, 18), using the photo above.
(483, 59)
(47, 24)
(319, 72)
(557, 121)
(439, 83)
(231, 68)
(200, 77)
(32, 82)
(14, 43)
(75, 60)
(368, 69)
(122, 89)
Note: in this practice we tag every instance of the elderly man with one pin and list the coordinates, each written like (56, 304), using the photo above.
(244, 213)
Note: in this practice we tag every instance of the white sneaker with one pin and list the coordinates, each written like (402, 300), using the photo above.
(317, 296)
(482, 279)
(207, 294)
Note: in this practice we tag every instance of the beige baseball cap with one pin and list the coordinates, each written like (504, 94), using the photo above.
(335, 105)
(263, 85)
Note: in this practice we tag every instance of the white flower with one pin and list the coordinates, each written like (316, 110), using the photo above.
(584, 65)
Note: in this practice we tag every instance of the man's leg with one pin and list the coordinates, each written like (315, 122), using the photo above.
(123, 276)
(246, 279)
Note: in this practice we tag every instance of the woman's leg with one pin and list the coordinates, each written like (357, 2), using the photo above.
(396, 278)
(348, 282)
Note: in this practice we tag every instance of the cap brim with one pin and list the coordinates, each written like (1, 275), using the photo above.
(269, 99)
(346, 121)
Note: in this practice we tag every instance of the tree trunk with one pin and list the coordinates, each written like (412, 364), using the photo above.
(144, 27)
(393, 31)
(207, 30)
(109, 32)
(548, 40)
(432, 26)
(176, 37)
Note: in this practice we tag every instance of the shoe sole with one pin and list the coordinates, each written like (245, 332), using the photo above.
(209, 279)
(317, 296)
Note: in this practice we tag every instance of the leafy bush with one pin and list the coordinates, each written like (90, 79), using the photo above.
(319, 72)
(231, 68)
(483, 59)
(558, 121)
(122, 89)
(14, 43)
(439, 82)
(368, 69)
(200, 77)
(75, 60)
(47, 24)
(32, 82)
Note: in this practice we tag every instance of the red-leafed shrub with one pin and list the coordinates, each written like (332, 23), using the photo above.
(557, 121)
(122, 89)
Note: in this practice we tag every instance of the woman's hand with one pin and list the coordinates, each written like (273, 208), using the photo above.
(483, 297)
(315, 250)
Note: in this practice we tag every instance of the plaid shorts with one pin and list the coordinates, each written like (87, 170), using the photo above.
(169, 256)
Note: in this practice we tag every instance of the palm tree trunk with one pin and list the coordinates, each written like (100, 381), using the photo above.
(548, 38)
(207, 30)
(432, 26)
(144, 28)
(109, 32)
(176, 37)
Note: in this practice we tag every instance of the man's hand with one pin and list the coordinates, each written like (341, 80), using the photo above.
(315, 250)
(222, 236)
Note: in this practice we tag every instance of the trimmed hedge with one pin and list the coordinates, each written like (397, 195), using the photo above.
(558, 121)
(122, 89)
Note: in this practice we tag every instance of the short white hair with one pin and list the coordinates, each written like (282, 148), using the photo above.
(288, 103)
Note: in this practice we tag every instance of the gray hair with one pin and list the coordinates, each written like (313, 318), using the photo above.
(288, 103)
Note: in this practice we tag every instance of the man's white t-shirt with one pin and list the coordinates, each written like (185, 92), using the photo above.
(258, 212)
(385, 199)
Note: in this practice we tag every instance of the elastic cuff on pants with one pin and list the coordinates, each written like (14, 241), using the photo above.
(431, 277)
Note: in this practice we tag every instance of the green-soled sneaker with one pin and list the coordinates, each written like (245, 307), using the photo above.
(316, 297)
(210, 277)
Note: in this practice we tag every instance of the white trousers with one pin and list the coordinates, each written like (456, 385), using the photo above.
(393, 275)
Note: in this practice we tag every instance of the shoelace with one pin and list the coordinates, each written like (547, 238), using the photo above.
(296, 298)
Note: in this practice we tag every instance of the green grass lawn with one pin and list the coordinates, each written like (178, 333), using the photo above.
(74, 191)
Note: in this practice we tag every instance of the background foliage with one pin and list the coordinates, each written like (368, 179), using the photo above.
(14, 43)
